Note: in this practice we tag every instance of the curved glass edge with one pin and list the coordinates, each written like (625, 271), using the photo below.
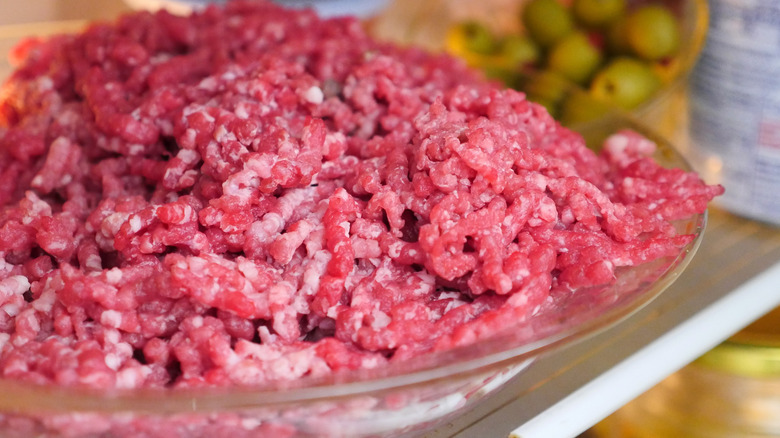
(546, 334)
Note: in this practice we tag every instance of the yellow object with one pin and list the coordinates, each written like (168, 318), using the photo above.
(732, 391)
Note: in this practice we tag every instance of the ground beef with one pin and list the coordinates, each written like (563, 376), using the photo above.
(251, 195)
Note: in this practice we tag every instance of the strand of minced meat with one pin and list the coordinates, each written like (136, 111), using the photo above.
(251, 194)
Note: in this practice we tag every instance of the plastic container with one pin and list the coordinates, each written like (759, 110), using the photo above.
(735, 107)
(733, 391)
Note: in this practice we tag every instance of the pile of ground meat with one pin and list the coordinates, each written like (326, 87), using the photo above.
(250, 195)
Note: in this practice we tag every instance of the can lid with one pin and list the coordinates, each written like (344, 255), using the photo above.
(752, 352)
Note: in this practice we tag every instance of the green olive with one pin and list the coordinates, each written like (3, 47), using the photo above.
(546, 85)
(519, 50)
(547, 21)
(653, 32)
(579, 107)
(471, 37)
(576, 57)
(625, 82)
(598, 13)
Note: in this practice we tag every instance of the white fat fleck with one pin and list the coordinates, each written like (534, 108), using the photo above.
(132, 377)
(188, 156)
(114, 275)
(14, 285)
(38, 207)
(220, 133)
(249, 270)
(260, 164)
(449, 295)
(111, 318)
(209, 83)
(394, 250)
(250, 423)
(205, 114)
(523, 273)
(169, 173)
(374, 233)
(135, 149)
(45, 83)
(517, 300)
(370, 362)
(455, 303)
(57, 245)
(272, 223)
(241, 112)
(422, 289)
(333, 313)
(618, 143)
(12, 309)
(135, 224)
(345, 226)
(113, 337)
(112, 361)
(382, 275)
(4, 265)
(197, 265)
(37, 181)
(189, 136)
(314, 95)
(266, 337)
(189, 215)
(314, 271)
(381, 319)
(338, 246)
(46, 301)
(4, 337)
(197, 322)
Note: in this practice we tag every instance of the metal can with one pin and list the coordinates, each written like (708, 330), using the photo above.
(735, 107)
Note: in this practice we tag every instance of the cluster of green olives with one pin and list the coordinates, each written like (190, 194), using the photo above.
(612, 55)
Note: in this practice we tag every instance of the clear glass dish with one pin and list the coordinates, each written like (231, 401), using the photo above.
(404, 399)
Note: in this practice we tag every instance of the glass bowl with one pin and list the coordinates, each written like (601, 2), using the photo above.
(404, 399)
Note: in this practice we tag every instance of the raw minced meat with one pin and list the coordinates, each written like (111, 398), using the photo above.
(250, 194)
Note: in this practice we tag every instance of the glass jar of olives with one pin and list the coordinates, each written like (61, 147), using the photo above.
(581, 59)
(735, 107)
